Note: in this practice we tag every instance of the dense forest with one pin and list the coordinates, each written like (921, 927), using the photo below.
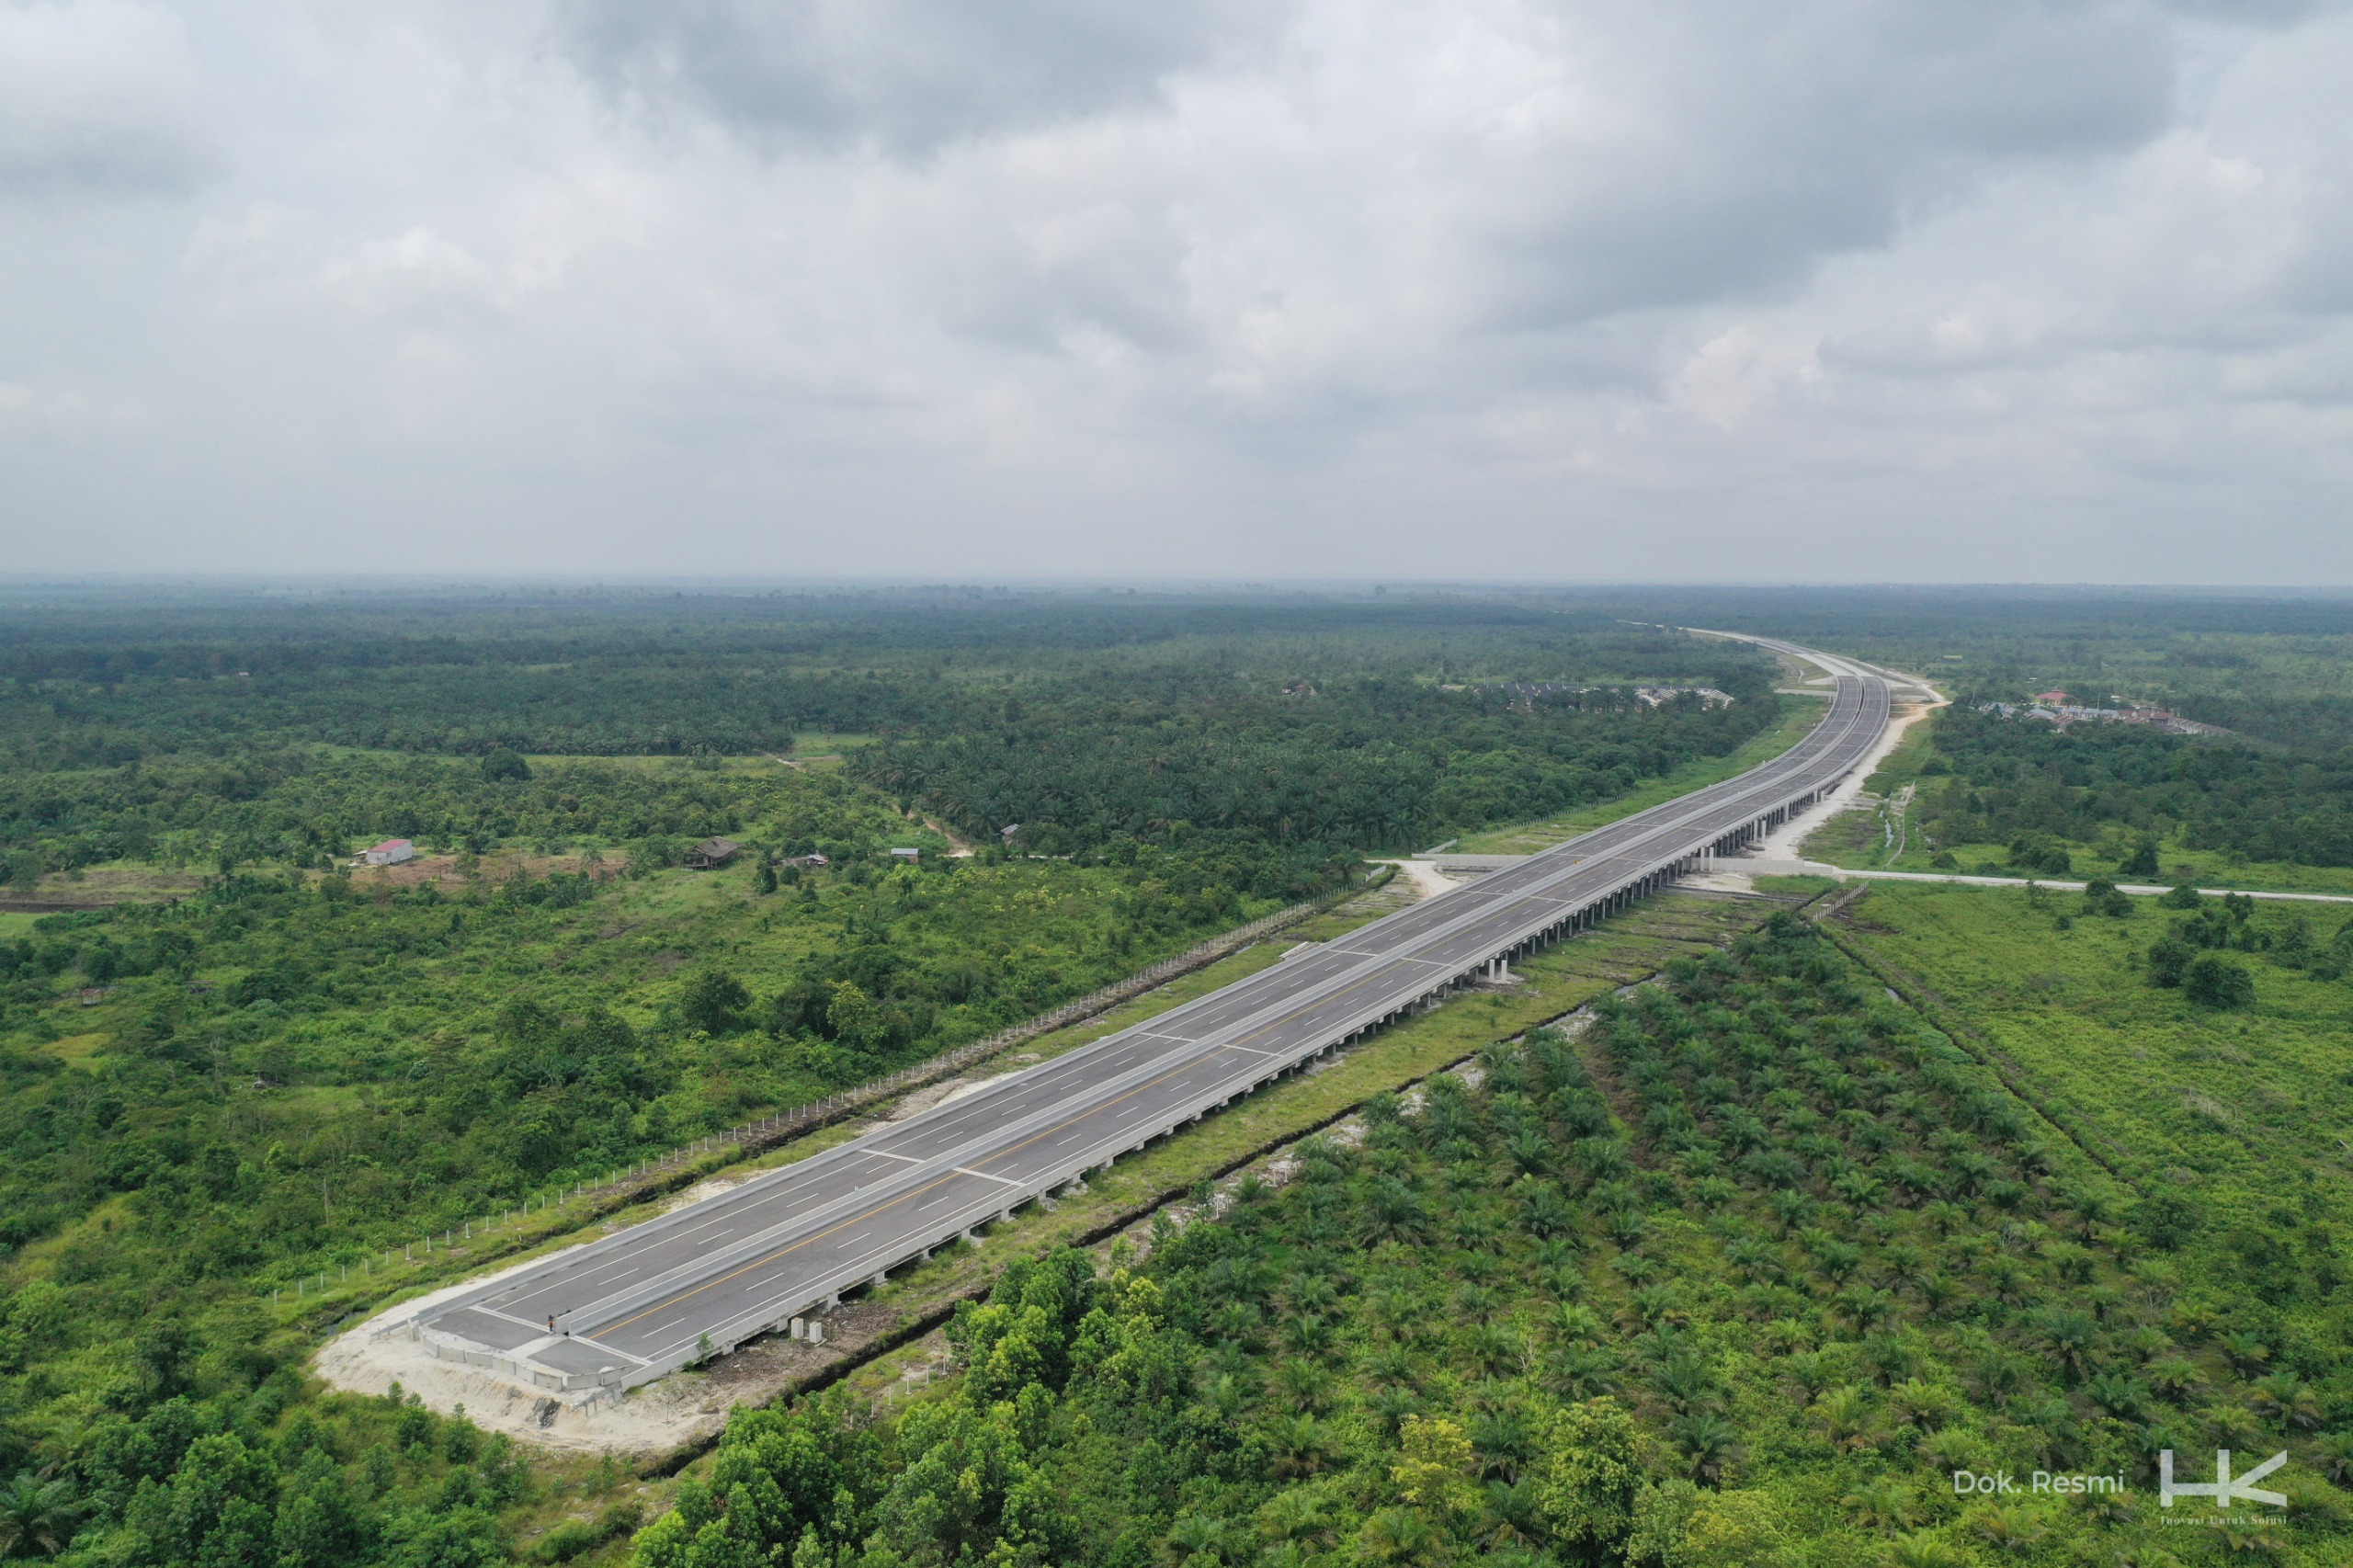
(2120, 785)
(229, 1059)
(92, 680)
(1743, 1276)
(1382, 764)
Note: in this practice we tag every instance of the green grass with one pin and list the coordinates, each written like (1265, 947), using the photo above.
(2247, 1109)
(1798, 716)
(819, 744)
(1853, 840)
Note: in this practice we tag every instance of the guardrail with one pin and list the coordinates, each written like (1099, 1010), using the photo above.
(1777, 799)
(767, 1131)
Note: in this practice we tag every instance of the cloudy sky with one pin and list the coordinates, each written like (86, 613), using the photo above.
(1573, 290)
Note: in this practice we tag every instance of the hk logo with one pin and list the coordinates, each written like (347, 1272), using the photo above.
(2223, 1487)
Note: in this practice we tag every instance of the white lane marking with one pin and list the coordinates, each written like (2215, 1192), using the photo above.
(1637, 832)
(519, 1322)
(887, 1155)
(961, 1170)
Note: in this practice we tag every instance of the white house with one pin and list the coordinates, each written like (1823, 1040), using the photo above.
(391, 852)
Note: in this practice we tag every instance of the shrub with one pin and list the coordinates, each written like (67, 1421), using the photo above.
(2032, 852)
(2101, 897)
(714, 1001)
(2169, 961)
(2213, 982)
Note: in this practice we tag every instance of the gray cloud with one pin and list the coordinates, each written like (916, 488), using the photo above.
(1834, 288)
(99, 99)
(1757, 140)
(907, 74)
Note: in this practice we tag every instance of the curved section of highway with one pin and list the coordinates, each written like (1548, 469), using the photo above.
(652, 1299)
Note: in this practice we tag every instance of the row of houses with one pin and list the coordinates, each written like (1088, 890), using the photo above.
(2059, 708)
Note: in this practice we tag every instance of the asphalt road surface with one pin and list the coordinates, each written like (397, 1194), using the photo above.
(649, 1300)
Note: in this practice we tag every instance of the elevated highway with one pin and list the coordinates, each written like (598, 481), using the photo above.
(647, 1301)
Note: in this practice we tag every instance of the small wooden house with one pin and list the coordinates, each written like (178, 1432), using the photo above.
(711, 854)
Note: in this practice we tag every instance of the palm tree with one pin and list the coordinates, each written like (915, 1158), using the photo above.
(1921, 1550)
(1503, 1442)
(1387, 1364)
(1393, 1214)
(1298, 1516)
(1581, 1372)
(1223, 1398)
(1391, 1406)
(1883, 1503)
(2066, 1337)
(1300, 1446)
(34, 1513)
(1864, 1307)
(1580, 1325)
(1401, 1536)
(1195, 1534)
(2121, 1395)
(2175, 1377)
(1304, 1386)
(1511, 1517)
(2284, 1398)
(1923, 1405)
(2247, 1353)
(2008, 1527)
(1686, 1382)
(1710, 1444)
(1847, 1419)
(1495, 1348)
(1309, 1335)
